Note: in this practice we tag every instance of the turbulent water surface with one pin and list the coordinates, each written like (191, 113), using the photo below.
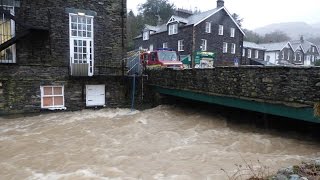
(161, 143)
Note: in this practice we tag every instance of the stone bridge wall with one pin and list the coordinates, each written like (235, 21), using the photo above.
(290, 85)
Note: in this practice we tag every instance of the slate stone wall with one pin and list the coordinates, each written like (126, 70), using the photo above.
(215, 41)
(44, 58)
(283, 84)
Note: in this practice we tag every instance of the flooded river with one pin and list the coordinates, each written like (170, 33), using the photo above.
(163, 143)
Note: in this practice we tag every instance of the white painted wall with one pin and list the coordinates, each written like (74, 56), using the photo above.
(272, 55)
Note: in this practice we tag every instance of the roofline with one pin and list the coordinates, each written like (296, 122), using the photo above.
(229, 16)
(289, 45)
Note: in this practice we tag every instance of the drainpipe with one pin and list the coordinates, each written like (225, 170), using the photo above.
(193, 53)
(123, 15)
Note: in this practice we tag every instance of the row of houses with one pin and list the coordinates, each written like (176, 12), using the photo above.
(217, 31)
(299, 53)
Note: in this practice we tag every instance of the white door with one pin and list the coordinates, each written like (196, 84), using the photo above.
(95, 95)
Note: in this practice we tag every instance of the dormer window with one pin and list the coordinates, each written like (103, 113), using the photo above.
(146, 35)
(173, 29)
(208, 27)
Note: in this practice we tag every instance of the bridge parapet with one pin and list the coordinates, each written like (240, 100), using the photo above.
(292, 86)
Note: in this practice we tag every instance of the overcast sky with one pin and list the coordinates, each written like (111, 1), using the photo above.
(256, 13)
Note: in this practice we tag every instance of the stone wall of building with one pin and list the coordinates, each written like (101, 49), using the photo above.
(215, 41)
(20, 90)
(53, 49)
(44, 58)
(274, 84)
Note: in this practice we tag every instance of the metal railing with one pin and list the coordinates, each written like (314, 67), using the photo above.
(133, 63)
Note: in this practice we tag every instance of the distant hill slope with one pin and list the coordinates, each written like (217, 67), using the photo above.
(293, 29)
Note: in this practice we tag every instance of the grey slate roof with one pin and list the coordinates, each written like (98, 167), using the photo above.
(306, 45)
(252, 45)
(274, 46)
(191, 20)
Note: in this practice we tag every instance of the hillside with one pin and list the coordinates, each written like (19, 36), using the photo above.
(293, 29)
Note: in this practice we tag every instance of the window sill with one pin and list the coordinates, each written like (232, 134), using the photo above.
(181, 50)
(54, 108)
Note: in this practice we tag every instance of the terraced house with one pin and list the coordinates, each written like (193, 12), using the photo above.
(58, 54)
(214, 31)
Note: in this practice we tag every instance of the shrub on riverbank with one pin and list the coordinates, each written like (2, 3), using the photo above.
(304, 171)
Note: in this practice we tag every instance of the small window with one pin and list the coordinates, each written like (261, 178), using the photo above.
(203, 44)
(165, 45)
(225, 47)
(249, 53)
(289, 54)
(256, 54)
(220, 30)
(243, 52)
(153, 56)
(140, 48)
(232, 32)
(151, 47)
(173, 29)
(282, 55)
(208, 27)
(146, 35)
(300, 57)
(233, 48)
(180, 45)
(295, 57)
(52, 97)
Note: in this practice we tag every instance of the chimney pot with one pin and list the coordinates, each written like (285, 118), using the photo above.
(220, 3)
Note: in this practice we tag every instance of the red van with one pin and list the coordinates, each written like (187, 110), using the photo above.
(163, 57)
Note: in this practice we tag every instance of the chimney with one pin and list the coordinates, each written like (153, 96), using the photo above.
(183, 13)
(220, 3)
(301, 39)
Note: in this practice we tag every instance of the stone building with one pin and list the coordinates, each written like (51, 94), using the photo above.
(310, 52)
(214, 31)
(281, 53)
(58, 54)
(253, 54)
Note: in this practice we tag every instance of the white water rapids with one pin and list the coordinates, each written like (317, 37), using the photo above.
(163, 143)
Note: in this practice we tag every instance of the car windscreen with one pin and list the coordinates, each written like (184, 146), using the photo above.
(167, 56)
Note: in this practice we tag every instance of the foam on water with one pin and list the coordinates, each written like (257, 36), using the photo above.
(161, 143)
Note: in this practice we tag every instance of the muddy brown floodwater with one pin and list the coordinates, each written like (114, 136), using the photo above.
(162, 143)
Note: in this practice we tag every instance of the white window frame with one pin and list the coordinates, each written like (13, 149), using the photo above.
(208, 27)
(243, 52)
(146, 35)
(225, 47)
(173, 29)
(282, 55)
(249, 53)
(295, 57)
(204, 44)
(165, 45)
(221, 30)
(89, 42)
(232, 32)
(288, 58)
(53, 95)
(300, 57)
(256, 54)
(13, 34)
(151, 47)
(180, 45)
(233, 48)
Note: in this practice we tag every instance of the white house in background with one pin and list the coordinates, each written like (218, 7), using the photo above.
(279, 53)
